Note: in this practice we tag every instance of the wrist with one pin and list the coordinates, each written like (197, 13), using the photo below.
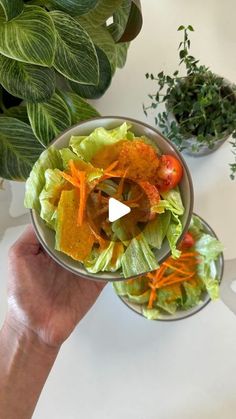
(25, 362)
(26, 339)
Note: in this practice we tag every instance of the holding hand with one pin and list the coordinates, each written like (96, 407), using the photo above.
(44, 297)
(45, 303)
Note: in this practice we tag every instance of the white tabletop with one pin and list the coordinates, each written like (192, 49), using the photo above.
(117, 364)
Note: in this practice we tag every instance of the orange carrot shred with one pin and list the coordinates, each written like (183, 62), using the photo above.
(121, 184)
(171, 272)
(187, 278)
(111, 166)
(74, 170)
(82, 201)
(174, 268)
(152, 298)
(70, 179)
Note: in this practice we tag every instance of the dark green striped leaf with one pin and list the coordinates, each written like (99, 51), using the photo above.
(120, 19)
(134, 24)
(18, 112)
(74, 7)
(79, 109)
(12, 8)
(49, 118)
(121, 53)
(30, 37)
(127, 21)
(19, 149)
(102, 38)
(94, 92)
(30, 82)
(102, 11)
(75, 55)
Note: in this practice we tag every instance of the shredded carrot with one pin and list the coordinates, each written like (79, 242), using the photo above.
(152, 298)
(172, 271)
(187, 278)
(110, 174)
(168, 265)
(121, 185)
(73, 170)
(111, 166)
(93, 229)
(187, 254)
(70, 179)
(82, 200)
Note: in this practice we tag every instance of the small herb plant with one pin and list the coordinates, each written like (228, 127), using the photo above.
(201, 103)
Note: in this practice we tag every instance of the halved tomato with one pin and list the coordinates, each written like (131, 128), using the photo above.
(187, 241)
(169, 173)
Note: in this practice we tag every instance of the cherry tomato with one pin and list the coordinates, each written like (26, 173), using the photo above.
(169, 173)
(188, 241)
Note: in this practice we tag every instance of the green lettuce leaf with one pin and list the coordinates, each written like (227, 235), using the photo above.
(139, 299)
(209, 248)
(133, 287)
(100, 261)
(212, 287)
(87, 147)
(120, 288)
(171, 200)
(156, 230)
(74, 143)
(67, 154)
(196, 227)
(49, 159)
(173, 233)
(193, 292)
(123, 230)
(95, 173)
(50, 196)
(138, 258)
(168, 299)
(151, 313)
(108, 186)
(92, 172)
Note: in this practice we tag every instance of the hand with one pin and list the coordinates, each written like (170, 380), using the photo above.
(43, 297)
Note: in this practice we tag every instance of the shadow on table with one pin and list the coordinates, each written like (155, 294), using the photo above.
(6, 220)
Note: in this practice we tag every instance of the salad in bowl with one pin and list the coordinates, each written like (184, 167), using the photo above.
(71, 186)
(181, 286)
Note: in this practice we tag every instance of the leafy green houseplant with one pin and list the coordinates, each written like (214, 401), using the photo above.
(200, 106)
(53, 55)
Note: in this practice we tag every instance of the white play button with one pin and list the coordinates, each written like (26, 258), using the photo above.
(116, 209)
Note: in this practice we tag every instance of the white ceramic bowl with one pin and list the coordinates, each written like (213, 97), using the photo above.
(47, 237)
(183, 314)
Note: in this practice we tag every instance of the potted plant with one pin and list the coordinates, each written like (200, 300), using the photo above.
(53, 55)
(200, 106)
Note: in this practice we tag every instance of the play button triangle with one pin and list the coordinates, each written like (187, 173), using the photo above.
(116, 209)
